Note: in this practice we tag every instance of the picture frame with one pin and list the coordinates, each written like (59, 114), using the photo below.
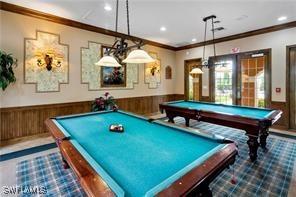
(113, 76)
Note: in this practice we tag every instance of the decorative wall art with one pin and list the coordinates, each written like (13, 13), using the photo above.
(94, 75)
(46, 62)
(153, 72)
(168, 72)
(113, 76)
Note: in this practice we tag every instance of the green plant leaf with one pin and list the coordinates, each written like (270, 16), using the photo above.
(7, 63)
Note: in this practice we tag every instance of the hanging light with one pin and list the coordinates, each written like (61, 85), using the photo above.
(120, 47)
(196, 71)
(138, 56)
(108, 61)
(205, 61)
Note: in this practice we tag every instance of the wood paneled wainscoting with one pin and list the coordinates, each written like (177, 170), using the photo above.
(29, 120)
(283, 122)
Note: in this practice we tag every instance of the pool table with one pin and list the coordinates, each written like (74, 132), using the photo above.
(150, 158)
(255, 121)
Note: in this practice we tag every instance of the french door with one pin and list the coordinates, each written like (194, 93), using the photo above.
(254, 81)
(193, 84)
(291, 74)
(223, 80)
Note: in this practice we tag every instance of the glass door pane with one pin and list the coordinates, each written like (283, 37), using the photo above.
(223, 82)
(192, 82)
(253, 82)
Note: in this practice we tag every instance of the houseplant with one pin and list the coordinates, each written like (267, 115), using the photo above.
(7, 64)
(106, 102)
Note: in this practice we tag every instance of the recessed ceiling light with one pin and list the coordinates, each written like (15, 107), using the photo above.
(282, 18)
(242, 17)
(163, 28)
(107, 7)
(193, 40)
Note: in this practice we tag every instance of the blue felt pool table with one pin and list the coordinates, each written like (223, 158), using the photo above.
(149, 158)
(255, 121)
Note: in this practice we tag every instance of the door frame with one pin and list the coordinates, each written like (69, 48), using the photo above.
(267, 73)
(288, 84)
(186, 78)
(234, 76)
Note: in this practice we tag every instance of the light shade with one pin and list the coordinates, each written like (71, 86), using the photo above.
(108, 61)
(138, 56)
(196, 71)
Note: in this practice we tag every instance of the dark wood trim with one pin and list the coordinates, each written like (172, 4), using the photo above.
(283, 122)
(24, 121)
(186, 76)
(56, 19)
(242, 35)
(291, 108)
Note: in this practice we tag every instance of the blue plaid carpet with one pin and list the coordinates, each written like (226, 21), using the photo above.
(270, 175)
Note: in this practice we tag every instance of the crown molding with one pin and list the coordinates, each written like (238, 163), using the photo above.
(60, 20)
(241, 35)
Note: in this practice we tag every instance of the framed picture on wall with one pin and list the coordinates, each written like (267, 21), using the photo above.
(113, 76)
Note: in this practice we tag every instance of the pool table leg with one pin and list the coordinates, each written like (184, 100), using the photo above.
(65, 164)
(187, 120)
(171, 119)
(263, 136)
(253, 147)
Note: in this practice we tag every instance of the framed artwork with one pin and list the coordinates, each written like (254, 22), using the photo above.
(153, 72)
(91, 74)
(46, 62)
(113, 76)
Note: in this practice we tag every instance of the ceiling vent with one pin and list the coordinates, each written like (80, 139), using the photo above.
(218, 29)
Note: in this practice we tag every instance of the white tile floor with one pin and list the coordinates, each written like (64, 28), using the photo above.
(26, 144)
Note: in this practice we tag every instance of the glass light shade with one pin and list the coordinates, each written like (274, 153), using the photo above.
(138, 56)
(108, 61)
(196, 71)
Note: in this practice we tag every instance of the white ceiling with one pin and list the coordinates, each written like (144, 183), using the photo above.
(182, 18)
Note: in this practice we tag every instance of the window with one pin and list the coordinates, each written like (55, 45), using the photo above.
(223, 82)
(253, 82)
(259, 87)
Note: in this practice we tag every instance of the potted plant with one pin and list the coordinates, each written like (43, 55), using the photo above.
(104, 103)
(7, 64)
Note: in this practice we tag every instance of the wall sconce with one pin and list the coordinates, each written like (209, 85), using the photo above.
(48, 58)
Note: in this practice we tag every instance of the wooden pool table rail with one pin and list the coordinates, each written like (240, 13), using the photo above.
(195, 181)
(255, 128)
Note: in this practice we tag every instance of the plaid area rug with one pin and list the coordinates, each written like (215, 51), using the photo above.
(270, 175)
(48, 172)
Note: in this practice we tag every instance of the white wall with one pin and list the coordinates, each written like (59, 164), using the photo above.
(277, 41)
(15, 27)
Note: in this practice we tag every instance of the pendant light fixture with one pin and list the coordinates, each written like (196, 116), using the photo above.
(120, 47)
(206, 62)
(196, 71)
(108, 61)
